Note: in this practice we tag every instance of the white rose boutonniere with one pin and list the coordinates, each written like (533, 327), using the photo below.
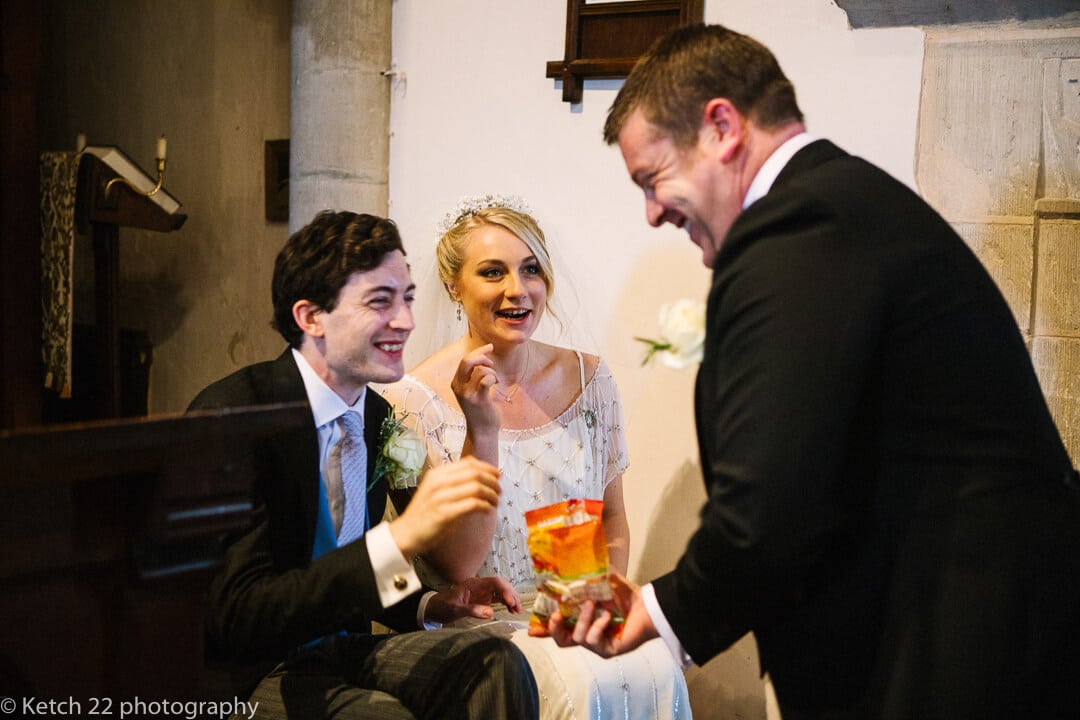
(682, 335)
(401, 454)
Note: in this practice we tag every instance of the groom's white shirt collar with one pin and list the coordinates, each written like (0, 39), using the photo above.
(770, 169)
(326, 405)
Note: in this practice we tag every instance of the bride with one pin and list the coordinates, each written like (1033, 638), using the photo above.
(550, 417)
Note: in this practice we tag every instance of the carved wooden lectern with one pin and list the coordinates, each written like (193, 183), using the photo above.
(111, 532)
(102, 206)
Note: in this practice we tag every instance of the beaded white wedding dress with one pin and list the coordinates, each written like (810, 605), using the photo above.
(574, 455)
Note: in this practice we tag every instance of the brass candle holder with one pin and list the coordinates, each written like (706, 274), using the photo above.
(148, 193)
(160, 174)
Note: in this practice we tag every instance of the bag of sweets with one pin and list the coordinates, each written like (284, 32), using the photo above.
(570, 559)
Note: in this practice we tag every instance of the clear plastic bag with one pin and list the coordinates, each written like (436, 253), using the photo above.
(570, 559)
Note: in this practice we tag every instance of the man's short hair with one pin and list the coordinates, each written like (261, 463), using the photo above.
(319, 258)
(689, 66)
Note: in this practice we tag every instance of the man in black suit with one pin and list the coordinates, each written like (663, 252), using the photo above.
(293, 606)
(890, 508)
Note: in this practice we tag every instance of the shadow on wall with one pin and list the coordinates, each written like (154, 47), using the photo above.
(674, 519)
(729, 685)
(154, 294)
(669, 268)
(156, 302)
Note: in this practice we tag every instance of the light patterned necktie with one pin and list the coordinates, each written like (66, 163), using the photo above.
(353, 478)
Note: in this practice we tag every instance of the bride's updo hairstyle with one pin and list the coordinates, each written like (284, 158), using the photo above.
(509, 213)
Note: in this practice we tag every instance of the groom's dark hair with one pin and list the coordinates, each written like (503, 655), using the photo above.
(319, 258)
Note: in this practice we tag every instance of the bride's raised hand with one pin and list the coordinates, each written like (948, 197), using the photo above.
(473, 385)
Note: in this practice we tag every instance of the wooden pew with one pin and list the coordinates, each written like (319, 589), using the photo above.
(110, 533)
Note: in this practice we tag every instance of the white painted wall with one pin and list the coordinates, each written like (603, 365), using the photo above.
(471, 112)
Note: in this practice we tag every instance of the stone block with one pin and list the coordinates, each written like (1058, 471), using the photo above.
(1057, 283)
(1057, 365)
(998, 116)
(979, 128)
(1005, 250)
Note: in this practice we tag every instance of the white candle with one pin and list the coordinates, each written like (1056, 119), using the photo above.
(161, 148)
(80, 142)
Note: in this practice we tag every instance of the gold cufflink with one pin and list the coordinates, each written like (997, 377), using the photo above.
(400, 583)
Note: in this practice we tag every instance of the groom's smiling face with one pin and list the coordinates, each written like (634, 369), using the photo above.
(690, 188)
(363, 337)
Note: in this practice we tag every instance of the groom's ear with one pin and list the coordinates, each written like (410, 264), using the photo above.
(308, 317)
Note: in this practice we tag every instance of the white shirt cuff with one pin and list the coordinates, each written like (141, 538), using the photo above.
(394, 575)
(652, 606)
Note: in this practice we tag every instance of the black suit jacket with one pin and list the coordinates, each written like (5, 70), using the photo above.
(271, 597)
(863, 379)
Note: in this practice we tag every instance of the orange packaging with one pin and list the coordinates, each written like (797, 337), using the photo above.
(570, 559)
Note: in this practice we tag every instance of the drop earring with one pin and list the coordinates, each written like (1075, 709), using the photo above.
(459, 311)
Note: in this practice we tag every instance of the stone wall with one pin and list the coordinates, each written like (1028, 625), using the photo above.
(214, 78)
(998, 156)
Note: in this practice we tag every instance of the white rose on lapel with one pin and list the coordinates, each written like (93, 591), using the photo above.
(401, 454)
(682, 335)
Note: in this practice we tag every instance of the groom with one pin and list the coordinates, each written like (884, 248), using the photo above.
(291, 610)
(890, 508)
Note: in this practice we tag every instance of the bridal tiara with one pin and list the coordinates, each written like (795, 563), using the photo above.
(469, 206)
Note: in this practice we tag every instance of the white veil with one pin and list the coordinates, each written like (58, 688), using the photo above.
(436, 321)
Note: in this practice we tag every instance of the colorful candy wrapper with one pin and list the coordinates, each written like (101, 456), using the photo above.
(570, 559)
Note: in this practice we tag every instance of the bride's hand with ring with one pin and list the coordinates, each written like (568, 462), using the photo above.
(473, 385)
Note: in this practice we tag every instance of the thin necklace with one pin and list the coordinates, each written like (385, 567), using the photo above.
(507, 396)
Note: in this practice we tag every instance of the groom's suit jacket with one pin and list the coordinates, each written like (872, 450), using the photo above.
(271, 597)
(875, 448)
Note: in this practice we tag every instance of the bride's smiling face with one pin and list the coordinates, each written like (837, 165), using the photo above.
(501, 286)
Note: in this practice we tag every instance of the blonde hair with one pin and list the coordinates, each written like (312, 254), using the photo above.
(450, 252)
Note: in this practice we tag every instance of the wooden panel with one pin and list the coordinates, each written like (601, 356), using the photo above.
(604, 40)
(20, 216)
(111, 533)
(121, 206)
(627, 34)
(276, 180)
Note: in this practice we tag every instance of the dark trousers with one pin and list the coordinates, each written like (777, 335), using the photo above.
(436, 674)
